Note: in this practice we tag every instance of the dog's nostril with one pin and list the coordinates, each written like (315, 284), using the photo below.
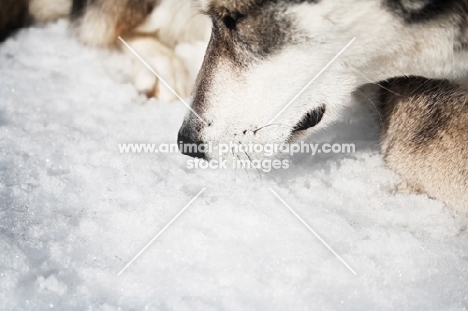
(190, 147)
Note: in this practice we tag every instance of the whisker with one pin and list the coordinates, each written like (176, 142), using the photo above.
(274, 124)
(378, 84)
(235, 166)
(373, 104)
(248, 175)
(258, 171)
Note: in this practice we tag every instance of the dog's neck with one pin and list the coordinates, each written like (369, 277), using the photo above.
(438, 51)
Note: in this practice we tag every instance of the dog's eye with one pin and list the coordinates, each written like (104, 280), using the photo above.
(230, 20)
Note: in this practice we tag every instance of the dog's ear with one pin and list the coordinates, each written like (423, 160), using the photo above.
(420, 10)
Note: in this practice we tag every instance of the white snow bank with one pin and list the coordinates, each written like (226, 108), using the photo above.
(73, 211)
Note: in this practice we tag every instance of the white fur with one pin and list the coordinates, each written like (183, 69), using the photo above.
(175, 22)
(165, 62)
(171, 23)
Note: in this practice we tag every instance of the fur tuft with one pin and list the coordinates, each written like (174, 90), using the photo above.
(101, 22)
(48, 10)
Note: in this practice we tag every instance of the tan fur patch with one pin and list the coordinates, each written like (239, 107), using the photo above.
(48, 10)
(425, 137)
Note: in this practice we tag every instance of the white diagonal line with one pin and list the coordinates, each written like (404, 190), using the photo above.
(313, 80)
(313, 232)
(160, 232)
(162, 80)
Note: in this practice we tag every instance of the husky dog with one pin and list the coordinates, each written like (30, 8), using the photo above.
(152, 27)
(425, 137)
(262, 53)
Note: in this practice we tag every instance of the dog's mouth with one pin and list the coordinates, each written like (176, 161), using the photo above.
(310, 120)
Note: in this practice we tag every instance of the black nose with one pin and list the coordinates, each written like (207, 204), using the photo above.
(189, 147)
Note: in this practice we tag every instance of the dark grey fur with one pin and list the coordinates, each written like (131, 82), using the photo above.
(14, 14)
(417, 11)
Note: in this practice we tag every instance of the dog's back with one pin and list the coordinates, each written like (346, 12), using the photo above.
(425, 137)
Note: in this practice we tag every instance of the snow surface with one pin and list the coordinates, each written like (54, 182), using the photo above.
(74, 211)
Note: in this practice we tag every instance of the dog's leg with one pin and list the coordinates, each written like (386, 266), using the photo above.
(165, 62)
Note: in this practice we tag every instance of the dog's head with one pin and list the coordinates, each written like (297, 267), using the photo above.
(272, 72)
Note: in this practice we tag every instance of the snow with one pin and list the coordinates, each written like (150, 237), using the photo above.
(74, 211)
